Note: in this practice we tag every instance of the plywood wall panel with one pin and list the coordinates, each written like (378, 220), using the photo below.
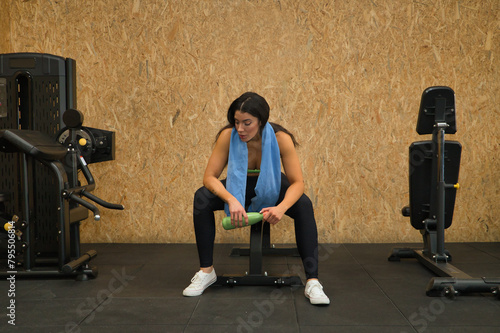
(5, 43)
(345, 76)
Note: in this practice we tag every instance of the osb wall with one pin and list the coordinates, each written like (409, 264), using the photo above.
(345, 76)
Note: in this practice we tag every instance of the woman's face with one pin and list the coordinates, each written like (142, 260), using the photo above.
(247, 126)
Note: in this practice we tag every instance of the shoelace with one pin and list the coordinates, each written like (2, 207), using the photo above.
(197, 277)
(315, 289)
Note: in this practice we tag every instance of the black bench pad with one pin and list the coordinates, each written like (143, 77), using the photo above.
(33, 143)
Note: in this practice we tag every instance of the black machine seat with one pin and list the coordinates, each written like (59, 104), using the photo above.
(33, 143)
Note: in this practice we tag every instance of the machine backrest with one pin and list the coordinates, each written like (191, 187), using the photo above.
(423, 179)
(437, 105)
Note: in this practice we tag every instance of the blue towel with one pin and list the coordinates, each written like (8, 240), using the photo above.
(268, 185)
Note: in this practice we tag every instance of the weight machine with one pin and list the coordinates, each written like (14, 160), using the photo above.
(43, 147)
(433, 180)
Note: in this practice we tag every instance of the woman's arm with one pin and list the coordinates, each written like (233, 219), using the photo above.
(293, 172)
(216, 164)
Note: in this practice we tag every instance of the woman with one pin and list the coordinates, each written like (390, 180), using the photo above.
(250, 142)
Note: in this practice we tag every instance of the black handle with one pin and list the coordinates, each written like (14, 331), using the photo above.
(88, 205)
(102, 202)
(72, 265)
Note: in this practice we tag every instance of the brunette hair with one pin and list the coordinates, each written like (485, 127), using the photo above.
(257, 106)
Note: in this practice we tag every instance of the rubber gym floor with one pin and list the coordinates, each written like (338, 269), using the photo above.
(139, 289)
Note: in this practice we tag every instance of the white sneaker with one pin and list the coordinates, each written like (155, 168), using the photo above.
(199, 283)
(314, 291)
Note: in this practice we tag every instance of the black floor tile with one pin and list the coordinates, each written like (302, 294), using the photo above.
(357, 329)
(134, 311)
(461, 329)
(110, 280)
(441, 312)
(139, 289)
(132, 329)
(491, 248)
(53, 312)
(259, 314)
(358, 302)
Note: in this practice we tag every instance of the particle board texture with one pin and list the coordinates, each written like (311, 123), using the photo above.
(5, 27)
(345, 77)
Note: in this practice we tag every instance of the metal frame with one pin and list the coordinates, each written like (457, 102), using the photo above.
(38, 94)
(256, 276)
(451, 281)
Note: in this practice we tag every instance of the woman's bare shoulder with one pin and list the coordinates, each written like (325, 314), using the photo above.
(223, 139)
(226, 132)
(225, 135)
(283, 138)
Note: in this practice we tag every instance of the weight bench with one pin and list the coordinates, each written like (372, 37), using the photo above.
(256, 276)
(267, 247)
(433, 180)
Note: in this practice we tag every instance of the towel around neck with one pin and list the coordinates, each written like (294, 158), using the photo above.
(268, 185)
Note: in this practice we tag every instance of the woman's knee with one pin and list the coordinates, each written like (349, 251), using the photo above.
(206, 201)
(202, 200)
(304, 203)
(302, 209)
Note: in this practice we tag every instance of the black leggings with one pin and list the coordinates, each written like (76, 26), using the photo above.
(306, 234)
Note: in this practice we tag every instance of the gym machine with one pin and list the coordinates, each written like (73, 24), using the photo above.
(433, 182)
(43, 148)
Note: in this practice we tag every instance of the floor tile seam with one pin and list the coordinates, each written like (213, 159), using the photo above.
(474, 246)
(249, 298)
(51, 299)
(149, 297)
(496, 302)
(236, 325)
(383, 292)
(358, 325)
(192, 313)
(86, 297)
(116, 292)
(91, 314)
(166, 298)
(110, 298)
(101, 325)
(451, 325)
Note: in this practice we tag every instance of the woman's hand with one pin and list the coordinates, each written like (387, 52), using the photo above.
(237, 212)
(272, 215)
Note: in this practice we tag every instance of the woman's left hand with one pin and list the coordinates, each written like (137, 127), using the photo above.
(272, 215)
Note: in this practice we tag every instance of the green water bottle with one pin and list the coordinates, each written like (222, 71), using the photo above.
(253, 218)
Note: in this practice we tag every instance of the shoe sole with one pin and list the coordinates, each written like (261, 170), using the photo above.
(199, 293)
(318, 301)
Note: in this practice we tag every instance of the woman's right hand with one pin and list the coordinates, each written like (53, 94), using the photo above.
(237, 213)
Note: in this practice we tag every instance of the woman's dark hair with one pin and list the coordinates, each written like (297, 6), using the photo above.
(257, 106)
